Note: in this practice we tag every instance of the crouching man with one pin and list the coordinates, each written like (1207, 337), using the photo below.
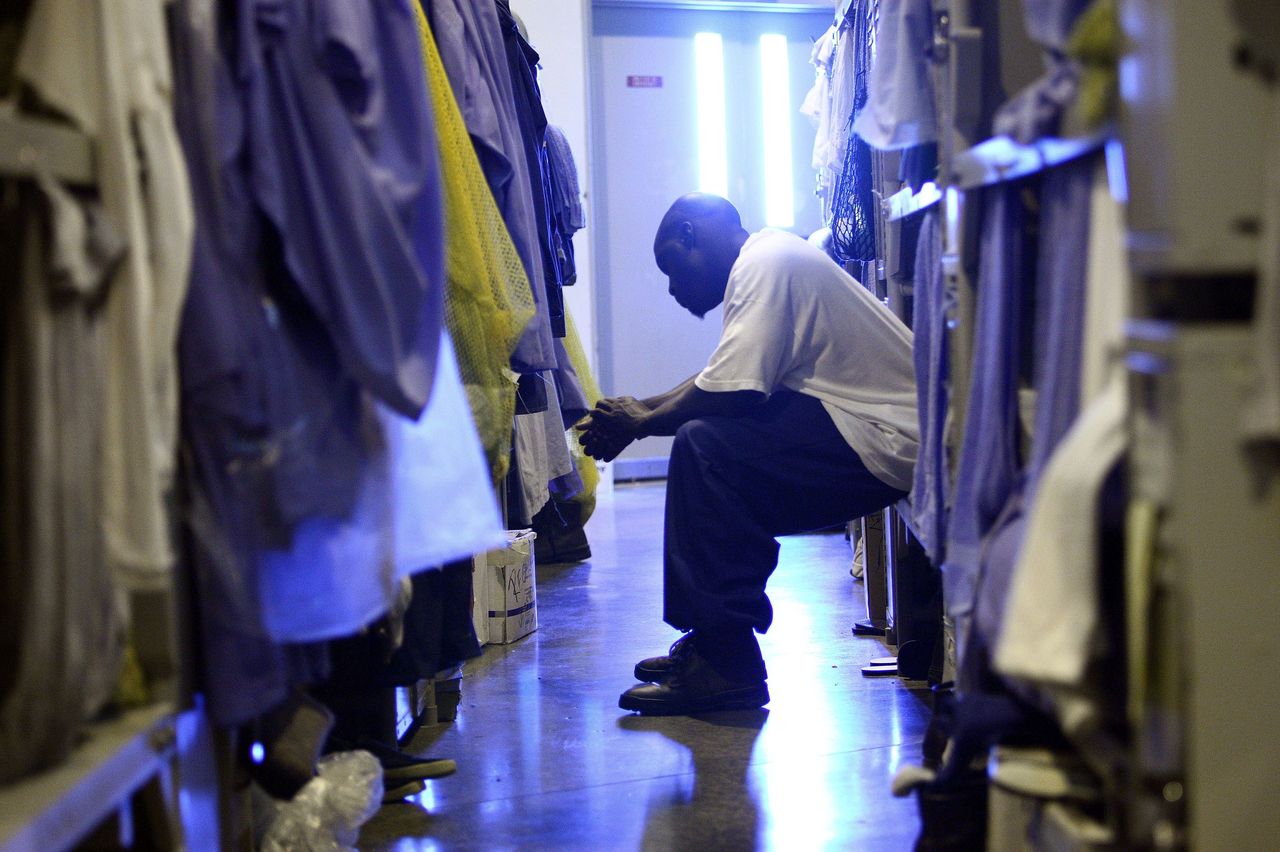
(804, 418)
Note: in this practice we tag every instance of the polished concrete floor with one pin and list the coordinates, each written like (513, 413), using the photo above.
(548, 761)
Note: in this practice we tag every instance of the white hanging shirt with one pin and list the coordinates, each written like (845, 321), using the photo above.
(817, 102)
(105, 64)
(899, 111)
(793, 319)
(424, 500)
(829, 104)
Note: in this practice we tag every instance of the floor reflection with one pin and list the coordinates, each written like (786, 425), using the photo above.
(714, 805)
(546, 760)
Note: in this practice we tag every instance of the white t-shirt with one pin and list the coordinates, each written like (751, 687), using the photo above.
(794, 319)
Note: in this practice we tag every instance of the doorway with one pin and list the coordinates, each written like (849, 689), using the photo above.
(688, 96)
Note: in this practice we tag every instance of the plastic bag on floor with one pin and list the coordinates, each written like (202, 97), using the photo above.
(327, 813)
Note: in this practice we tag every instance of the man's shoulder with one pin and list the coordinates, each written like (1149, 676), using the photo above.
(781, 258)
(770, 241)
(769, 254)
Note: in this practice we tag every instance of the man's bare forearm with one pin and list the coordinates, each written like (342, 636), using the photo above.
(657, 401)
(617, 421)
(689, 402)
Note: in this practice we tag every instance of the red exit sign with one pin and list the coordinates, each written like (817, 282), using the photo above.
(637, 81)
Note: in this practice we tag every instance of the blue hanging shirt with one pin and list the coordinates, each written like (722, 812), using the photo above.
(343, 162)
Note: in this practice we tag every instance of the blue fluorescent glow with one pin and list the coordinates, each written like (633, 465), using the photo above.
(713, 168)
(779, 191)
(257, 753)
(427, 798)
(1117, 175)
(953, 217)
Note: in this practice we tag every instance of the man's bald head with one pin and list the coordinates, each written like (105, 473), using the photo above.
(701, 207)
(696, 245)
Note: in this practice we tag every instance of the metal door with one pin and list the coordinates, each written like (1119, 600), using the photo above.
(688, 96)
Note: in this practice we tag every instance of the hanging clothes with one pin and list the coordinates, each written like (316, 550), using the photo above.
(474, 54)
(541, 457)
(343, 163)
(1066, 196)
(989, 461)
(424, 500)
(1058, 560)
(1049, 22)
(1262, 415)
(817, 101)
(900, 111)
(830, 105)
(105, 65)
(1037, 110)
(569, 214)
(1097, 44)
(929, 324)
(270, 425)
(853, 205)
(585, 380)
(319, 270)
(270, 410)
(523, 62)
(488, 302)
(575, 404)
(567, 217)
(443, 508)
(61, 633)
(335, 574)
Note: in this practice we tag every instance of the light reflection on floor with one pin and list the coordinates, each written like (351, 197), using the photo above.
(546, 759)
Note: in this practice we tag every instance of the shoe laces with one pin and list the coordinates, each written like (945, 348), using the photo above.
(682, 647)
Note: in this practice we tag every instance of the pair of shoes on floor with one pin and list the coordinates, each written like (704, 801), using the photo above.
(404, 775)
(683, 682)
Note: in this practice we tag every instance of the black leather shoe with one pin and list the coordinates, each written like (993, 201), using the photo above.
(693, 686)
(658, 669)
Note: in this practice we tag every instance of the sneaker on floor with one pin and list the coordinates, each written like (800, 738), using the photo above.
(693, 686)
(399, 792)
(419, 769)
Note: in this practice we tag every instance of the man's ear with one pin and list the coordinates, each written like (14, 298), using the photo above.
(686, 234)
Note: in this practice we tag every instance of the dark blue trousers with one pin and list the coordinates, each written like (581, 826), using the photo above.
(732, 486)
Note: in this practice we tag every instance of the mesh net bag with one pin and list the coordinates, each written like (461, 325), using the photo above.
(853, 204)
(585, 465)
(488, 301)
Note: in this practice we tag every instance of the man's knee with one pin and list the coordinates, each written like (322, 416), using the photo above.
(696, 436)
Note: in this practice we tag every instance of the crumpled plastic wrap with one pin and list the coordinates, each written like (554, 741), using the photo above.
(327, 813)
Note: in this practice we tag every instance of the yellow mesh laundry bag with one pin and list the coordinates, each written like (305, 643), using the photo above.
(487, 301)
(591, 390)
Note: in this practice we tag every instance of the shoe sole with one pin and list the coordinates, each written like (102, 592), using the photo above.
(747, 698)
(400, 792)
(422, 771)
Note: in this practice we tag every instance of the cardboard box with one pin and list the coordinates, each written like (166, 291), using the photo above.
(513, 599)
